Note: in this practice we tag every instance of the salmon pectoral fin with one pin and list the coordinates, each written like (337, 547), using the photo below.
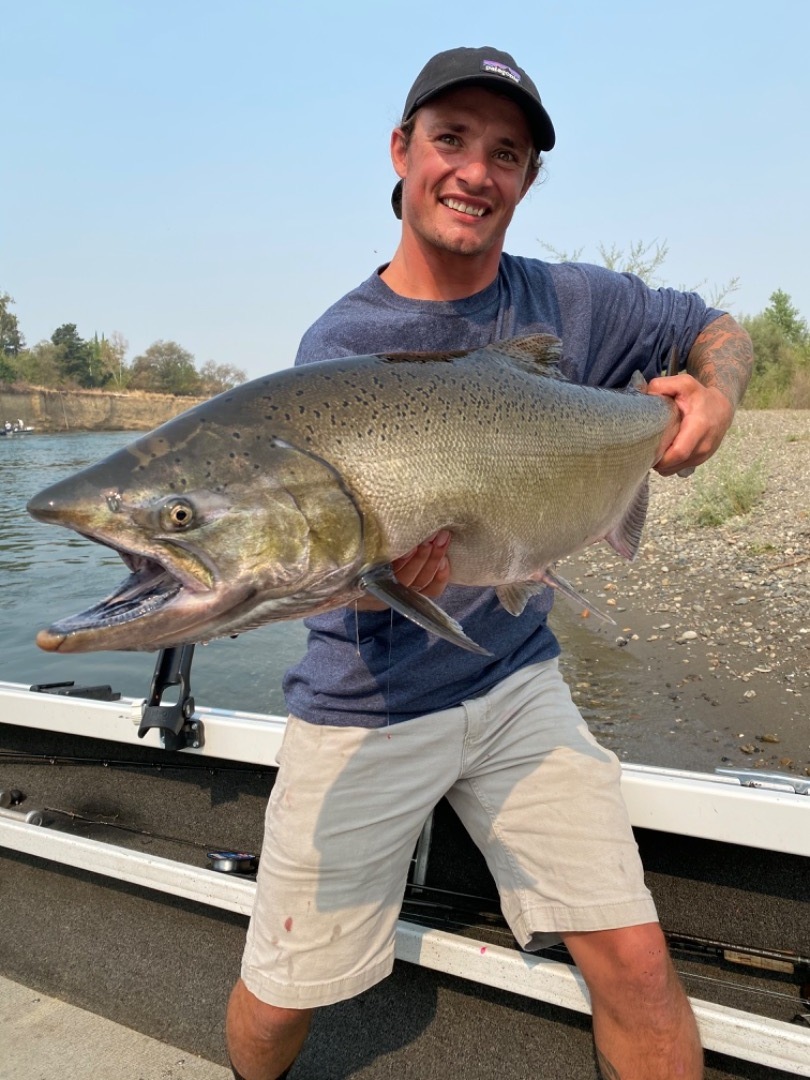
(380, 582)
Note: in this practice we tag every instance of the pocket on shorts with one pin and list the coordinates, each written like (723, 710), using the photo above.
(286, 738)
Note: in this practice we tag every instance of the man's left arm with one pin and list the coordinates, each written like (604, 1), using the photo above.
(718, 368)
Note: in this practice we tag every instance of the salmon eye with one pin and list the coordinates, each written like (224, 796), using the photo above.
(177, 515)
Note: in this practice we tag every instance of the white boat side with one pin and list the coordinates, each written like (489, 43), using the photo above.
(773, 1043)
(754, 809)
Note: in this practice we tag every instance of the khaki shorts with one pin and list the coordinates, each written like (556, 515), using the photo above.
(536, 792)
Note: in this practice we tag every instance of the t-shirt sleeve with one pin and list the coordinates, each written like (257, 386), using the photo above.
(628, 327)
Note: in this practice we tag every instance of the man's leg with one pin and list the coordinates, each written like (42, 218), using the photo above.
(643, 1025)
(343, 819)
(263, 1040)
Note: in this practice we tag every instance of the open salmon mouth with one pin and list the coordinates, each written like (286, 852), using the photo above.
(149, 587)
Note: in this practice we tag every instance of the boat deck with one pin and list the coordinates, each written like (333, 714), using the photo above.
(162, 964)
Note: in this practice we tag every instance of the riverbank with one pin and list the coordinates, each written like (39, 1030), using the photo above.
(708, 663)
(90, 410)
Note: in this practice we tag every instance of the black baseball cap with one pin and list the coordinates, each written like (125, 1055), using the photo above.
(486, 67)
(482, 67)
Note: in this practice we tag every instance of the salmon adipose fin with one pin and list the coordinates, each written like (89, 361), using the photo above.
(625, 538)
(380, 582)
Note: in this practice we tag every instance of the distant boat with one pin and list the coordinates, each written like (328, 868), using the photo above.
(16, 427)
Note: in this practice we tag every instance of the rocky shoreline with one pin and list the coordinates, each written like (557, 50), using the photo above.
(709, 661)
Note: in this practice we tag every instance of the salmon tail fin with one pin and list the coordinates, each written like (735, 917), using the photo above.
(625, 538)
(380, 582)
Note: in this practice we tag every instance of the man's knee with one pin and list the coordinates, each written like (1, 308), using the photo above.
(628, 963)
(263, 1040)
(268, 1023)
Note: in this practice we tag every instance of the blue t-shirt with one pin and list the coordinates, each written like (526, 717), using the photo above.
(373, 668)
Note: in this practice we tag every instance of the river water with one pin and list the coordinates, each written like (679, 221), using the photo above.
(48, 572)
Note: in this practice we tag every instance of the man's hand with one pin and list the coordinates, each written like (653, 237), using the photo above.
(718, 369)
(425, 569)
(706, 415)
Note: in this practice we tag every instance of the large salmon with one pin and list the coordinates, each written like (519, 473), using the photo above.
(291, 494)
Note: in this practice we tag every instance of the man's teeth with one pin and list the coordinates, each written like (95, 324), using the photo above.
(463, 208)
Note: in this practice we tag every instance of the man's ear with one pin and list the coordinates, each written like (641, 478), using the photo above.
(531, 176)
(399, 152)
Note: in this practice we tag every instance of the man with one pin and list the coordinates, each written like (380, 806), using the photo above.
(386, 719)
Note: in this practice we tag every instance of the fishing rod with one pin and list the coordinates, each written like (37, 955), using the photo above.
(25, 757)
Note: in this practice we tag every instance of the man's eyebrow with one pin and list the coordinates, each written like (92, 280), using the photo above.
(458, 127)
(448, 125)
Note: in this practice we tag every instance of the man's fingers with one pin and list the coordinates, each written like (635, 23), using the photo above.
(426, 568)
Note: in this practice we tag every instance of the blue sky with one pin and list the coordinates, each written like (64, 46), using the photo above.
(218, 174)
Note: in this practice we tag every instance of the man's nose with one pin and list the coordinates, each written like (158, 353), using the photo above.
(474, 172)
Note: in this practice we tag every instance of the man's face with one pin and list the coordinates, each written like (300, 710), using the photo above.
(467, 166)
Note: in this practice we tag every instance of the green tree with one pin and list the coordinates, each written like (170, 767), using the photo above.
(99, 372)
(40, 365)
(11, 340)
(75, 355)
(784, 315)
(165, 368)
(112, 353)
(8, 374)
(781, 343)
(215, 378)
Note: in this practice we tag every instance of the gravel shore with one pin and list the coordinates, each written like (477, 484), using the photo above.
(709, 661)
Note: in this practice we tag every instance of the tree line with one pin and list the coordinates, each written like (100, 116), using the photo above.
(780, 335)
(68, 361)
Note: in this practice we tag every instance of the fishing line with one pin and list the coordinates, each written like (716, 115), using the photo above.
(757, 990)
(87, 820)
(388, 668)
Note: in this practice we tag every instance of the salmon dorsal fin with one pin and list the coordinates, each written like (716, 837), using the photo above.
(426, 357)
(537, 353)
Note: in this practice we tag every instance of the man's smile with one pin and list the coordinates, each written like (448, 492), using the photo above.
(464, 208)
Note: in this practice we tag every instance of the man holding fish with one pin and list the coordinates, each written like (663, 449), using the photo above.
(386, 718)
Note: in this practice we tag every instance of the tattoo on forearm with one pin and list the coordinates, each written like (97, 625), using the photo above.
(722, 356)
(607, 1071)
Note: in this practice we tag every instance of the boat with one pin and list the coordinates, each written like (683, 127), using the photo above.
(129, 829)
(16, 427)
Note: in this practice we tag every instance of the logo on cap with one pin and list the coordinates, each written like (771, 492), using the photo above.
(495, 67)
